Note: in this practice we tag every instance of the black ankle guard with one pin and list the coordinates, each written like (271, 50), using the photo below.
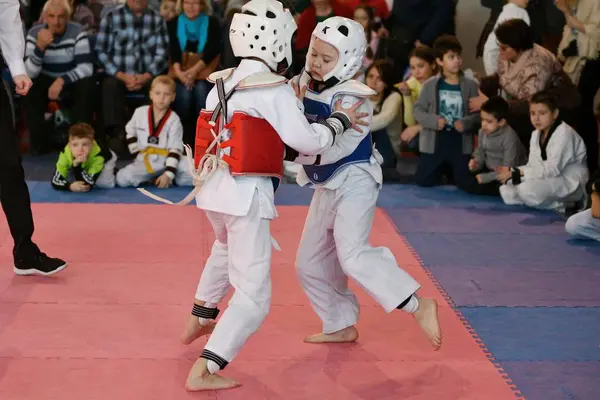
(404, 303)
(516, 176)
(209, 355)
(203, 312)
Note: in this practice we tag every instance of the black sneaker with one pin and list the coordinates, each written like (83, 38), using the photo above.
(40, 264)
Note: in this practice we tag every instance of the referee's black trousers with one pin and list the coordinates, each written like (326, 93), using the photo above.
(14, 193)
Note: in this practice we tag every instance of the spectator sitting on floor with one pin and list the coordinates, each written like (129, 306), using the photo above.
(422, 67)
(168, 10)
(586, 224)
(194, 46)
(83, 159)
(555, 175)
(386, 124)
(498, 145)
(132, 47)
(365, 15)
(579, 50)
(81, 14)
(59, 61)
(524, 69)
(155, 139)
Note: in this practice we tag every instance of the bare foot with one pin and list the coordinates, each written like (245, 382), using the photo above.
(193, 330)
(200, 379)
(427, 317)
(346, 335)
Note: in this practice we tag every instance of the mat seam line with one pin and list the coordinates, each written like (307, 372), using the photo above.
(480, 343)
(69, 303)
(582, 361)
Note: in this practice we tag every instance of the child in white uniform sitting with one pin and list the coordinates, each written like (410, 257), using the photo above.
(586, 224)
(347, 178)
(554, 178)
(155, 139)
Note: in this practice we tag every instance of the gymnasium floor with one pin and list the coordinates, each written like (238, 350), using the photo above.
(520, 304)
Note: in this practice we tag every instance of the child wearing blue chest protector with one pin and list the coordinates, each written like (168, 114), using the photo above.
(347, 178)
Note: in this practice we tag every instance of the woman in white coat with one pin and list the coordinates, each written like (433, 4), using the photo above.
(554, 178)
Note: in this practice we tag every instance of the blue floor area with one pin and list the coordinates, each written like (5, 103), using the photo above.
(497, 250)
(528, 290)
(538, 333)
(513, 272)
(392, 197)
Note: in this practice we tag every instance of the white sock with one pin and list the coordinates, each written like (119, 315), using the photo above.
(412, 305)
(206, 321)
(212, 367)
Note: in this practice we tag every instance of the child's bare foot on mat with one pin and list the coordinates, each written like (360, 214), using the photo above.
(346, 335)
(193, 330)
(200, 379)
(427, 317)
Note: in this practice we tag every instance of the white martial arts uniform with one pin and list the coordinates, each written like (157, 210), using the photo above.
(584, 226)
(106, 180)
(491, 49)
(155, 150)
(335, 240)
(553, 182)
(239, 209)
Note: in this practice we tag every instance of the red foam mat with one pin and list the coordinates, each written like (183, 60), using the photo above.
(108, 326)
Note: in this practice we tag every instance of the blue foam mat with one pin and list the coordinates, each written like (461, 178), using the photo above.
(538, 334)
(391, 196)
(556, 380)
(394, 196)
(476, 220)
(504, 249)
(542, 286)
(42, 192)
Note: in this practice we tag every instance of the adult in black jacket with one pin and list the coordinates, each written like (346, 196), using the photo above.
(28, 259)
(414, 22)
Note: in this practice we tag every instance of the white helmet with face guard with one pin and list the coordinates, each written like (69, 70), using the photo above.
(264, 30)
(349, 38)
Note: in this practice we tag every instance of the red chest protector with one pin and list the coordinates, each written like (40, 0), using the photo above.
(253, 146)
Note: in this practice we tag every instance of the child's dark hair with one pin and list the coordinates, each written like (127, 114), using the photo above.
(81, 130)
(425, 53)
(386, 73)
(516, 34)
(445, 44)
(371, 14)
(545, 98)
(496, 106)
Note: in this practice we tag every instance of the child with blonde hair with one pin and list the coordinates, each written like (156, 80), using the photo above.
(155, 139)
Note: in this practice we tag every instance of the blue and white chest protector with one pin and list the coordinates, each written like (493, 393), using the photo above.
(318, 107)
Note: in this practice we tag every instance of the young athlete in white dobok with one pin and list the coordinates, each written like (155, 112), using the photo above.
(347, 178)
(253, 114)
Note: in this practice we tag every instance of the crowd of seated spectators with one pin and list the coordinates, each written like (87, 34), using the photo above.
(93, 62)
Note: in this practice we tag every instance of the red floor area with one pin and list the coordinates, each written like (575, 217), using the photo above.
(107, 328)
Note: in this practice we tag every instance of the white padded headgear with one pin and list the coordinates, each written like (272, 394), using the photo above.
(264, 30)
(349, 38)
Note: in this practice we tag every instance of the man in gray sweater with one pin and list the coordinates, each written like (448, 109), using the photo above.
(499, 145)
